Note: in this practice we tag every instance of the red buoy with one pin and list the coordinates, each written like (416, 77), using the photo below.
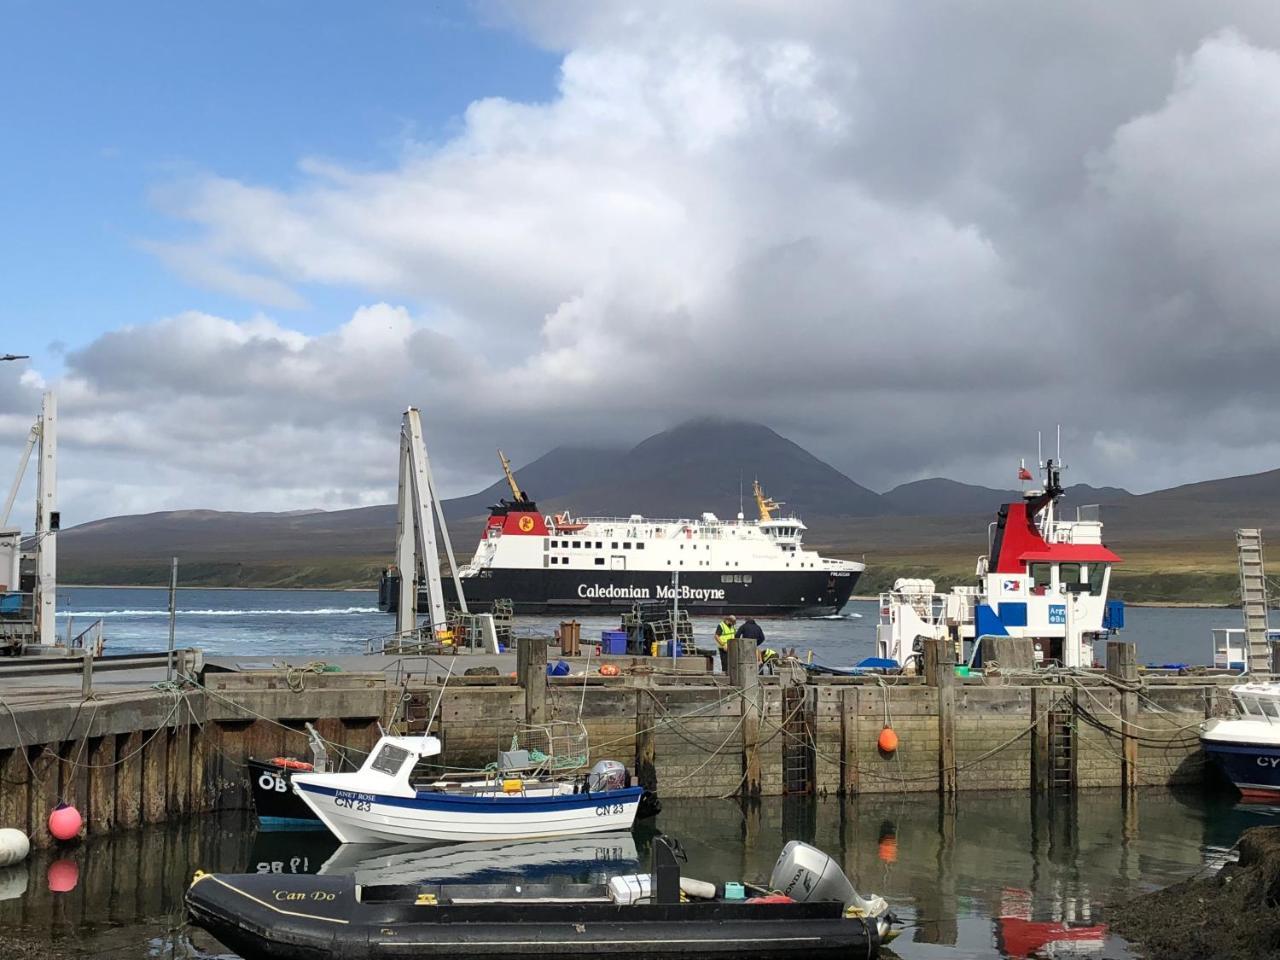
(63, 876)
(888, 741)
(65, 822)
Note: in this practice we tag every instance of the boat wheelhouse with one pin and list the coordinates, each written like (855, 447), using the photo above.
(1044, 577)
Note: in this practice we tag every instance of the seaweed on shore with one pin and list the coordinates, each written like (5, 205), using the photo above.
(1233, 915)
(23, 948)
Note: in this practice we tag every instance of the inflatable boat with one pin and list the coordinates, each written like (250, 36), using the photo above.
(809, 909)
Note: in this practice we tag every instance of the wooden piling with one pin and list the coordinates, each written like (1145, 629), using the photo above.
(43, 794)
(129, 779)
(1042, 699)
(531, 656)
(154, 772)
(742, 658)
(15, 779)
(646, 719)
(178, 785)
(940, 672)
(849, 703)
(1122, 666)
(101, 772)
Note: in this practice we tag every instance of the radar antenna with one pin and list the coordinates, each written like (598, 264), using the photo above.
(766, 505)
(511, 477)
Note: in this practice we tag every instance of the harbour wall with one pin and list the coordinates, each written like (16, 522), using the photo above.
(146, 756)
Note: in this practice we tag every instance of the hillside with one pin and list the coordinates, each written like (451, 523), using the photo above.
(1177, 542)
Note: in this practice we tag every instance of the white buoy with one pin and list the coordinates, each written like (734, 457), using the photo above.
(14, 846)
(13, 882)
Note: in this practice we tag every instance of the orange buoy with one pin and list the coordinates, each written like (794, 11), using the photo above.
(888, 741)
(888, 849)
(610, 670)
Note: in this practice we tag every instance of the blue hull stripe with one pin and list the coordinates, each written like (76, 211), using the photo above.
(290, 823)
(1248, 766)
(500, 804)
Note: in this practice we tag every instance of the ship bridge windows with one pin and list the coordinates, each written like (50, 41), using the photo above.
(599, 561)
(1041, 578)
(1069, 573)
(1097, 577)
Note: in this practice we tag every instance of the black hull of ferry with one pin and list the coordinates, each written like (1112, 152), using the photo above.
(779, 593)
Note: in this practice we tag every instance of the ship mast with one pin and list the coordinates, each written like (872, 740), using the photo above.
(766, 505)
(516, 492)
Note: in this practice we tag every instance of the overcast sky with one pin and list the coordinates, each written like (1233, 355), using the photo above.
(239, 239)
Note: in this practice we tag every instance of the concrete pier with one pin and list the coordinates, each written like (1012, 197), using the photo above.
(142, 755)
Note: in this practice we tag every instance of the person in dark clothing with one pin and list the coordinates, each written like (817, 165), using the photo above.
(750, 630)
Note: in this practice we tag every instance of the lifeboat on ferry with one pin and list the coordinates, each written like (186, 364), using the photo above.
(564, 523)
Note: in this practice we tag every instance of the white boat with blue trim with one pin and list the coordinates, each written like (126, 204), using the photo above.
(1246, 746)
(384, 801)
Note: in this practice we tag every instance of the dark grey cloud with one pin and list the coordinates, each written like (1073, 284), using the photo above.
(905, 235)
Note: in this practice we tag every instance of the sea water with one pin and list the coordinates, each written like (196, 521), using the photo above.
(996, 875)
(330, 622)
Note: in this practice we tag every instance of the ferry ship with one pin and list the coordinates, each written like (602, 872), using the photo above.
(564, 564)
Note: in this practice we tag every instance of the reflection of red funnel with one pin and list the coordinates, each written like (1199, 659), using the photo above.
(63, 876)
(1018, 939)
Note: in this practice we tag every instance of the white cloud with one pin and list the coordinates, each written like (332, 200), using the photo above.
(907, 237)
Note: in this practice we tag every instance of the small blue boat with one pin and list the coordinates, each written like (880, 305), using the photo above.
(1246, 746)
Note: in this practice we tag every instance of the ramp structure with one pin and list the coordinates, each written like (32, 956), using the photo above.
(27, 614)
(417, 551)
(1253, 599)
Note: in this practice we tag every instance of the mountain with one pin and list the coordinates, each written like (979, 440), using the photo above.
(709, 465)
(697, 466)
(553, 476)
(934, 527)
(939, 497)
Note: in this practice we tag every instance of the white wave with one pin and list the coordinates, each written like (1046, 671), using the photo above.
(319, 611)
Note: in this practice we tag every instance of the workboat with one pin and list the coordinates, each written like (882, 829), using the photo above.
(1246, 746)
(808, 909)
(275, 803)
(564, 564)
(526, 795)
(1044, 577)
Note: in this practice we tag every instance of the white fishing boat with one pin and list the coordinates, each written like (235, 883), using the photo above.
(1246, 745)
(523, 797)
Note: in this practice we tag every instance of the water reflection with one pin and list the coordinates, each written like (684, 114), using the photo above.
(993, 875)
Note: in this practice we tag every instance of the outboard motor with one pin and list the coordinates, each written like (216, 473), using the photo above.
(607, 775)
(805, 873)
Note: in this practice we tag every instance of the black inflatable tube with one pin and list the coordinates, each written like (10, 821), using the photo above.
(289, 917)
